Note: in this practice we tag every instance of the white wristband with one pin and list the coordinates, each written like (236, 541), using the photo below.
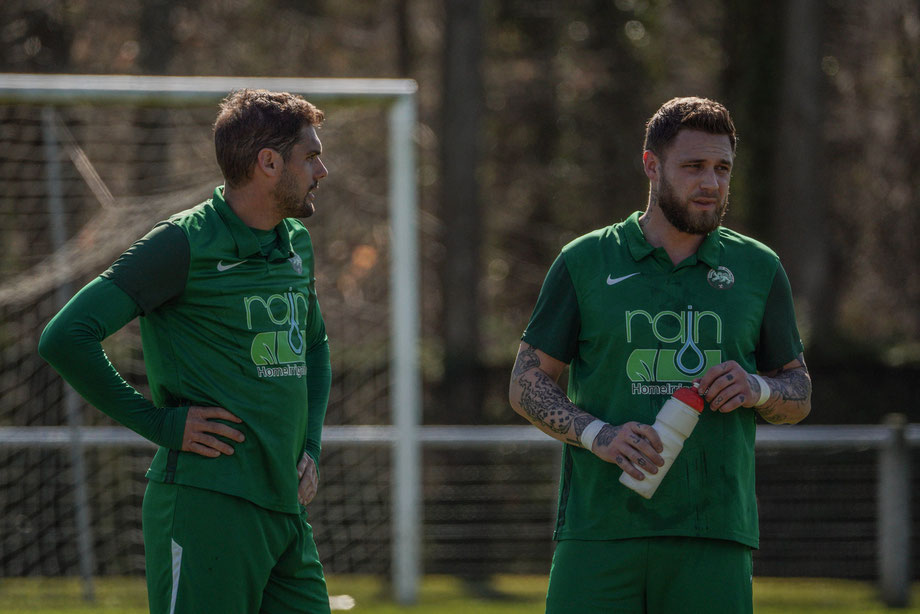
(764, 390)
(590, 433)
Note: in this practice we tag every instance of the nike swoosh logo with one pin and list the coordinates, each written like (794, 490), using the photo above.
(611, 281)
(226, 267)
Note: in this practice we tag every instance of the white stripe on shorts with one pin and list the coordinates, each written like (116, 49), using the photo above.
(176, 568)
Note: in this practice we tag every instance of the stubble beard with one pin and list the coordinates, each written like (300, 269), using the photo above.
(679, 215)
(287, 202)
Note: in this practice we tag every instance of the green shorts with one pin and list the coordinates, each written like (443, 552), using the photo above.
(654, 575)
(210, 552)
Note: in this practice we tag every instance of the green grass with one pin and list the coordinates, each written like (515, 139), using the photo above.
(439, 594)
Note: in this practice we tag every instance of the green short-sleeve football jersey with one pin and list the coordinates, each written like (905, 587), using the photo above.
(231, 329)
(633, 327)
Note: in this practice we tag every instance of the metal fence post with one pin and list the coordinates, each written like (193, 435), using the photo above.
(84, 529)
(894, 515)
(405, 393)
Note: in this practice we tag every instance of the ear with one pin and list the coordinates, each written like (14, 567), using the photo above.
(652, 165)
(269, 162)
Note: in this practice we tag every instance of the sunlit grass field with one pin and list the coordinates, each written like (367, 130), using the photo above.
(439, 595)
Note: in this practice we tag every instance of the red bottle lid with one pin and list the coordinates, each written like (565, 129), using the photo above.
(689, 396)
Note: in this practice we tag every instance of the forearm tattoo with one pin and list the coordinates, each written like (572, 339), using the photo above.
(581, 421)
(790, 395)
(543, 400)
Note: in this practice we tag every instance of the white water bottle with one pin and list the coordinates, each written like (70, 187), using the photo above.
(674, 423)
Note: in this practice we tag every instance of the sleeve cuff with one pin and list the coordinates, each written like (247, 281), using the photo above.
(172, 428)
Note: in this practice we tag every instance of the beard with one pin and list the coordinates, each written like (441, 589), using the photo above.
(287, 201)
(681, 217)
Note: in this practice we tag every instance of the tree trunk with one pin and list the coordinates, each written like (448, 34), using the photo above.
(460, 211)
(403, 39)
(157, 45)
(751, 81)
(800, 220)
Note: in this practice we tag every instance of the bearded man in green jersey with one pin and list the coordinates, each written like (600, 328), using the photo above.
(238, 365)
(663, 299)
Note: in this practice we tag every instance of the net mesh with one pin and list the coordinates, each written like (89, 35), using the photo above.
(80, 184)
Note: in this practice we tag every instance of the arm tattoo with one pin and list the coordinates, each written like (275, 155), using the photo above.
(527, 359)
(546, 404)
(755, 386)
(581, 422)
(607, 435)
(543, 400)
(790, 395)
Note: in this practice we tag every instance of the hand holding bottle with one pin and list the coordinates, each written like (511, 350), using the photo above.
(674, 423)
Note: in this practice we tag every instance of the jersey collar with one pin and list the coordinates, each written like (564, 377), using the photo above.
(635, 238)
(247, 245)
(285, 230)
(709, 251)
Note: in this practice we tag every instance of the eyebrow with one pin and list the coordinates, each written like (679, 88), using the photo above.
(700, 160)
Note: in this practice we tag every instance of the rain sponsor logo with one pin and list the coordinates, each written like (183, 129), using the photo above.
(278, 353)
(691, 335)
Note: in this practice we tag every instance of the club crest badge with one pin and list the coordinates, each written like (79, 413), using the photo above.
(720, 278)
(297, 264)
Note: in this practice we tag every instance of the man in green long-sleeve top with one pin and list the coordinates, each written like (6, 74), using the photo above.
(238, 364)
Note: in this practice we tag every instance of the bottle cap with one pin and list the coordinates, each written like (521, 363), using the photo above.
(689, 396)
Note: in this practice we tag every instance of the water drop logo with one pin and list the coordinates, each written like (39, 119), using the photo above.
(294, 329)
(696, 355)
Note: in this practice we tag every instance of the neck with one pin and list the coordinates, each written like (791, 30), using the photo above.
(252, 206)
(660, 233)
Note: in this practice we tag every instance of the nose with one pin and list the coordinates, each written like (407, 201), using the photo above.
(320, 171)
(709, 180)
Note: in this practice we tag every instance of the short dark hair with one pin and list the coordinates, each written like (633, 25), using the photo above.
(691, 112)
(251, 120)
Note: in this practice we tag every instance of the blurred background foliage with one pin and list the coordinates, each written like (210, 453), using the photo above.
(531, 124)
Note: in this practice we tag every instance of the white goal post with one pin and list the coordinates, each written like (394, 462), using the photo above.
(405, 399)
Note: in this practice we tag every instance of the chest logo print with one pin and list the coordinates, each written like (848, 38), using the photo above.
(720, 278)
(296, 263)
(279, 350)
(221, 267)
(670, 348)
(613, 281)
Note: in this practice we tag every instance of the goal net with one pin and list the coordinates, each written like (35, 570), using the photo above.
(85, 173)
